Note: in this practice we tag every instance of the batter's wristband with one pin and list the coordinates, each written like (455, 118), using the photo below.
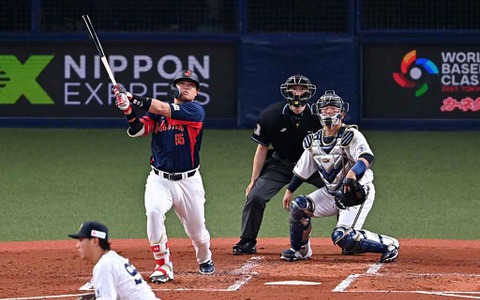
(141, 101)
(133, 121)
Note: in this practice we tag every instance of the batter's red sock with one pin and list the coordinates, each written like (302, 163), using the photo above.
(161, 253)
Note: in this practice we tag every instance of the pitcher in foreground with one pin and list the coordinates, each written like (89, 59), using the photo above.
(113, 275)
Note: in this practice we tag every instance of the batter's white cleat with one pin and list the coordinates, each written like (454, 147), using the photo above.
(162, 274)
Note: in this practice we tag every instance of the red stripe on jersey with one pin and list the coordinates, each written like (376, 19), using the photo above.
(148, 124)
(193, 128)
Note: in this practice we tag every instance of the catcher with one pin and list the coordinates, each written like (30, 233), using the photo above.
(113, 275)
(342, 156)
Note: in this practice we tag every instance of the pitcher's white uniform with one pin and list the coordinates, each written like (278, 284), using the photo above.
(114, 278)
(333, 160)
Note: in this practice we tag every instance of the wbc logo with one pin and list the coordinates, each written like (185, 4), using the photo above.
(412, 71)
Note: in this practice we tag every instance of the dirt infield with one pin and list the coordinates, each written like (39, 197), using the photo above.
(425, 269)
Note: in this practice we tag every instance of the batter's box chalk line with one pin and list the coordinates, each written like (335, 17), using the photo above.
(245, 271)
(455, 294)
(373, 271)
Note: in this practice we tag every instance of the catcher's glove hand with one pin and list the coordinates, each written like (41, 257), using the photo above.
(355, 194)
(87, 297)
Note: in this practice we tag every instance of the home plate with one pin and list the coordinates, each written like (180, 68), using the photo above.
(292, 282)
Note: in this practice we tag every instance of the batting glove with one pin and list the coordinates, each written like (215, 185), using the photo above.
(119, 88)
(122, 102)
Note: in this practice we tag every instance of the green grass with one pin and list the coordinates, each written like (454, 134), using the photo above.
(53, 179)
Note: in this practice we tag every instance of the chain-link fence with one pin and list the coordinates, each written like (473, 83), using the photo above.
(238, 16)
(419, 15)
(302, 16)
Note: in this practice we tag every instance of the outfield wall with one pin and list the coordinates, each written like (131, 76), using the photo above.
(394, 76)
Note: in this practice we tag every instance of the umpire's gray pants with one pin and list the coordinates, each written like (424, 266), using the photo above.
(274, 176)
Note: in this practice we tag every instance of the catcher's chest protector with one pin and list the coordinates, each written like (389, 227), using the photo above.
(332, 161)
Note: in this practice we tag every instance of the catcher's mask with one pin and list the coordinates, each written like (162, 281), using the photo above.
(330, 109)
(184, 74)
(289, 93)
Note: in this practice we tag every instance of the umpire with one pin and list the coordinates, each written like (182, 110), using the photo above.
(283, 126)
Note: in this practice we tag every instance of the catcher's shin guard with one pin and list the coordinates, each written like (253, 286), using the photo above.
(365, 241)
(300, 227)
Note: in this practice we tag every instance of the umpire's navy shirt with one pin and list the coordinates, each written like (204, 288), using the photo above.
(278, 126)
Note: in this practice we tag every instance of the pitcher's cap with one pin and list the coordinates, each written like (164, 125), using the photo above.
(91, 229)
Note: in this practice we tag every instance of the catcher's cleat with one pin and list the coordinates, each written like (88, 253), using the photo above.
(162, 274)
(291, 255)
(207, 268)
(390, 255)
(245, 247)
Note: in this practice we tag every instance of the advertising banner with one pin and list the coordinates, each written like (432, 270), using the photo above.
(329, 64)
(417, 81)
(67, 79)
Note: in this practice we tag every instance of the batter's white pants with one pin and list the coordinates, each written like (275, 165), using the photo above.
(187, 197)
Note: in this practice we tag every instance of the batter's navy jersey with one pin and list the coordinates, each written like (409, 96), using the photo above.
(278, 126)
(176, 141)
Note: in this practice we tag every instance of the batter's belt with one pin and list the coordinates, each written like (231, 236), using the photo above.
(174, 176)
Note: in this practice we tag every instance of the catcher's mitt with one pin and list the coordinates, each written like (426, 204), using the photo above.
(87, 297)
(356, 194)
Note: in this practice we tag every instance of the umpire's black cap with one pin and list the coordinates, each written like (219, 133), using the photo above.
(91, 229)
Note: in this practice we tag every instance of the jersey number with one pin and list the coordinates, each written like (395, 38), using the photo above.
(179, 139)
(132, 271)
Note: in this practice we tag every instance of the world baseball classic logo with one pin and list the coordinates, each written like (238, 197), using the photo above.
(414, 72)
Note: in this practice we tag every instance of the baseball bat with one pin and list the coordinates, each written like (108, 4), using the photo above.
(94, 37)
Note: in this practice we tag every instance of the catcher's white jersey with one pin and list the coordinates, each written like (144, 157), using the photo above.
(333, 157)
(114, 278)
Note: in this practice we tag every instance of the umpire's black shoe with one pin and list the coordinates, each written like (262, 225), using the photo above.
(245, 247)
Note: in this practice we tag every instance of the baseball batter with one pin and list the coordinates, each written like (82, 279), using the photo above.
(337, 151)
(175, 180)
(113, 275)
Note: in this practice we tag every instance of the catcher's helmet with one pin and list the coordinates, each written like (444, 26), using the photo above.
(184, 74)
(334, 100)
(288, 92)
